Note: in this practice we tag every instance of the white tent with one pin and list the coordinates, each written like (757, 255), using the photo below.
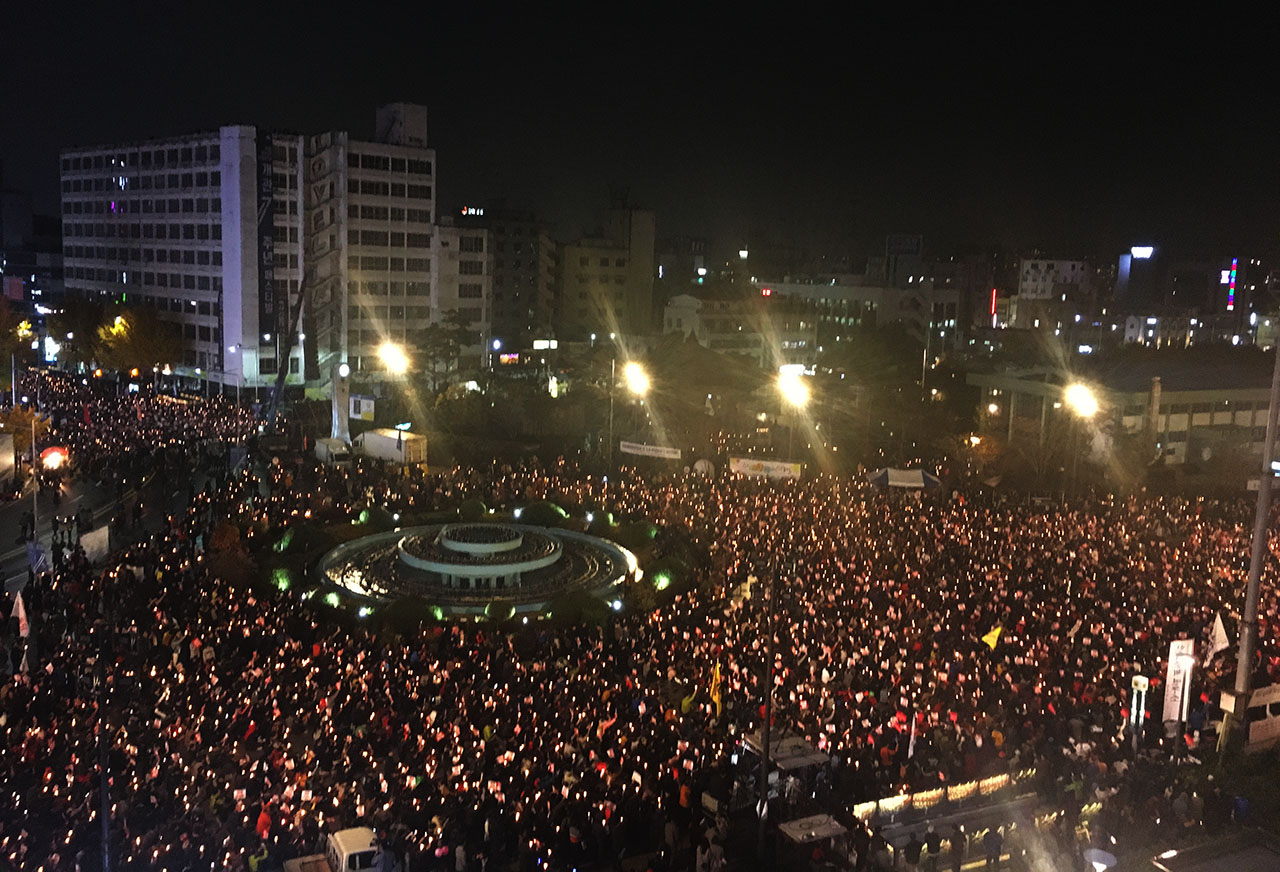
(916, 479)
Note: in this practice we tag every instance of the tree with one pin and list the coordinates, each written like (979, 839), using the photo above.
(15, 337)
(441, 346)
(135, 337)
(16, 421)
(76, 328)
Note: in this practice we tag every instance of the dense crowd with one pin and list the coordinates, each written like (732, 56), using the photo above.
(242, 728)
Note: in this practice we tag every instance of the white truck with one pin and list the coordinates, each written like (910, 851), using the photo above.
(334, 452)
(348, 851)
(393, 446)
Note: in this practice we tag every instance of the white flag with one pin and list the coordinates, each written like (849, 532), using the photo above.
(1218, 639)
(20, 612)
(911, 745)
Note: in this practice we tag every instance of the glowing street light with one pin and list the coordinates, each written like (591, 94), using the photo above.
(394, 358)
(1083, 403)
(793, 390)
(636, 378)
(795, 393)
(1081, 400)
(637, 381)
(344, 369)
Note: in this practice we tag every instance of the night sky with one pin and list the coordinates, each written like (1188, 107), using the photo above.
(1075, 140)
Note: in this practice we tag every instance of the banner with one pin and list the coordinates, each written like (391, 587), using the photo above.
(96, 544)
(645, 450)
(1177, 676)
(361, 407)
(1218, 639)
(20, 612)
(769, 468)
(268, 309)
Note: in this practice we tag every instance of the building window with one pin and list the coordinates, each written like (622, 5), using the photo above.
(471, 268)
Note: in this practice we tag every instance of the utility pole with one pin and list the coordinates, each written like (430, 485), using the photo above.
(104, 811)
(765, 738)
(35, 479)
(1249, 624)
(613, 364)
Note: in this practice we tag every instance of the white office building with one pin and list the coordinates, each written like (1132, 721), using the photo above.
(216, 231)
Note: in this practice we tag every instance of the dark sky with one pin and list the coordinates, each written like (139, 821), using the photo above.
(1077, 139)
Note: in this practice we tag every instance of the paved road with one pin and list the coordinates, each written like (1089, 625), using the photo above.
(101, 503)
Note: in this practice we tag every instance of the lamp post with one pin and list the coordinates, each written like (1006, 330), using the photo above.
(1258, 554)
(394, 358)
(35, 479)
(795, 393)
(1083, 403)
(637, 383)
(340, 395)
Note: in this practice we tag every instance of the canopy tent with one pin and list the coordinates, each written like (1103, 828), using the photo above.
(916, 479)
(791, 752)
(816, 828)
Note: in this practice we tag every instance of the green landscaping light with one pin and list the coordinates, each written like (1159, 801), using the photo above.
(331, 599)
(662, 581)
(280, 578)
(437, 613)
(285, 540)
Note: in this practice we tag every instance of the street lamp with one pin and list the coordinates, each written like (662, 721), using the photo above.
(1081, 400)
(637, 383)
(1083, 403)
(637, 379)
(795, 393)
(394, 358)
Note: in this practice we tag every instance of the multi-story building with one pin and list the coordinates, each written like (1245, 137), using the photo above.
(523, 261)
(1209, 410)
(204, 228)
(1043, 279)
(372, 226)
(30, 250)
(217, 230)
(606, 281)
(771, 332)
(464, 283)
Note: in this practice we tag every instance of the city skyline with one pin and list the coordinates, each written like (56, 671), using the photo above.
(722, 135)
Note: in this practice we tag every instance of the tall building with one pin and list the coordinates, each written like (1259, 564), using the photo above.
(216, 231)
(606, 281)
(464, 283)
(30, 250)
(204, 228)
(523, 260)
(1137, 288)
(372, 225)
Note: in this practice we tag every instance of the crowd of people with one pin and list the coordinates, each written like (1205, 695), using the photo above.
(915, 643)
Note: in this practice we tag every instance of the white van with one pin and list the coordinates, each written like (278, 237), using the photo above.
(348, 851)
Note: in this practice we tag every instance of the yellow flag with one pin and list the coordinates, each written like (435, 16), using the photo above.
(992, 637)
(715, 688)
(686, 704)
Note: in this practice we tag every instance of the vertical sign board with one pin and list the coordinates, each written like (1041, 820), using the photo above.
(1264, 727)
(361, 407)
(1176, 676)
(267, 305)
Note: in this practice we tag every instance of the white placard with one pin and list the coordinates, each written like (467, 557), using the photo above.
(645, 450)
